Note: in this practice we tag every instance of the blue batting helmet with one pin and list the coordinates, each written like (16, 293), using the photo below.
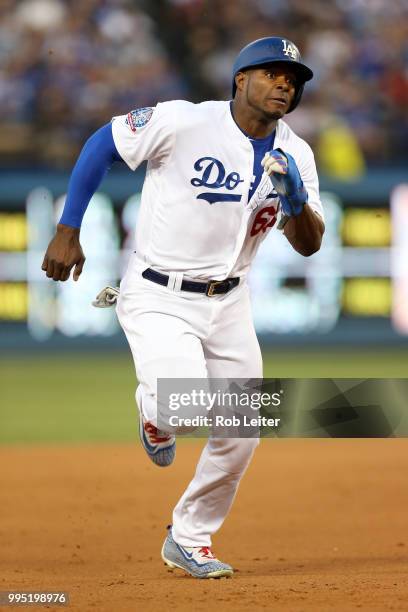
(267, 51)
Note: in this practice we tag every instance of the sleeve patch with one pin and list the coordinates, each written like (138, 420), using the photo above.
(138, 118)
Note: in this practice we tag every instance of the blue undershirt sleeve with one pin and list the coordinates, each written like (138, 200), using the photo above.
(96, 158)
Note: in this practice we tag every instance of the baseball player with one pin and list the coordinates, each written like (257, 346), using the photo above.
(220, 175)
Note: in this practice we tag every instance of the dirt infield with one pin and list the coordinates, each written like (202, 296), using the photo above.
(317, 525)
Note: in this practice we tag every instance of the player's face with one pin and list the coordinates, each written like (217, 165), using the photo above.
(270, 89)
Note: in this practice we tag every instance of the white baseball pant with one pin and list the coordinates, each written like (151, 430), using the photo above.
(178, 334)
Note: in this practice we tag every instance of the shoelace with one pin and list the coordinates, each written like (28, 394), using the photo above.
(155, 435)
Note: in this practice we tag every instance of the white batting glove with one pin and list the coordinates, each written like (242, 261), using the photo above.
(277, 162)
(106, 298)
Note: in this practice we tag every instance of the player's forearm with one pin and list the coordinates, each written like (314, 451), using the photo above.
(305, 231)
(94, 161)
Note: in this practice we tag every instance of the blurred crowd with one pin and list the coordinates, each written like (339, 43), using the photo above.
(67, 67)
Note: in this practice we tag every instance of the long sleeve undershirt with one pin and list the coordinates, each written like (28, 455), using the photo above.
(96, 158)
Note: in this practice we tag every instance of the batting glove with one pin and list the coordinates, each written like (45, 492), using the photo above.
(285, 177)
(106, 298)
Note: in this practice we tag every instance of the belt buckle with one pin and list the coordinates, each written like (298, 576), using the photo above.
(211, 285)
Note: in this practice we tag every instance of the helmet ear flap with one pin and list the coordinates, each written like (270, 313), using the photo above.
(297, 97)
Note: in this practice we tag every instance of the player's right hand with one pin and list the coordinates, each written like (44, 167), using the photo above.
(63, 253)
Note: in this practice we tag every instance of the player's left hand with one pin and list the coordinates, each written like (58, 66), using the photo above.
(285, 176)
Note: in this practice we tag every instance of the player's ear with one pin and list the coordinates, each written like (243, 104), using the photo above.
(240, 79)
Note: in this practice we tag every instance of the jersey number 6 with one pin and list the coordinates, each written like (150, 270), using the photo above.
(265, 219)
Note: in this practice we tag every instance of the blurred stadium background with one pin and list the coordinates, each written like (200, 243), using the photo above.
(66, 68)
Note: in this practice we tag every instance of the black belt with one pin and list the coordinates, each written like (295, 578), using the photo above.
(211, 288)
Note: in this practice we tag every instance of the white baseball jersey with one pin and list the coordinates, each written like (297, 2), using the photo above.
(197, 216)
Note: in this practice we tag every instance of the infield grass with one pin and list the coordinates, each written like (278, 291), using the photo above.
(90, 398)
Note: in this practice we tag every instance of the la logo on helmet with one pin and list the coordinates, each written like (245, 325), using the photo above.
(290, 49)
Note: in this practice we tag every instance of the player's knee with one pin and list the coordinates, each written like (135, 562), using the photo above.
(232, 454)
